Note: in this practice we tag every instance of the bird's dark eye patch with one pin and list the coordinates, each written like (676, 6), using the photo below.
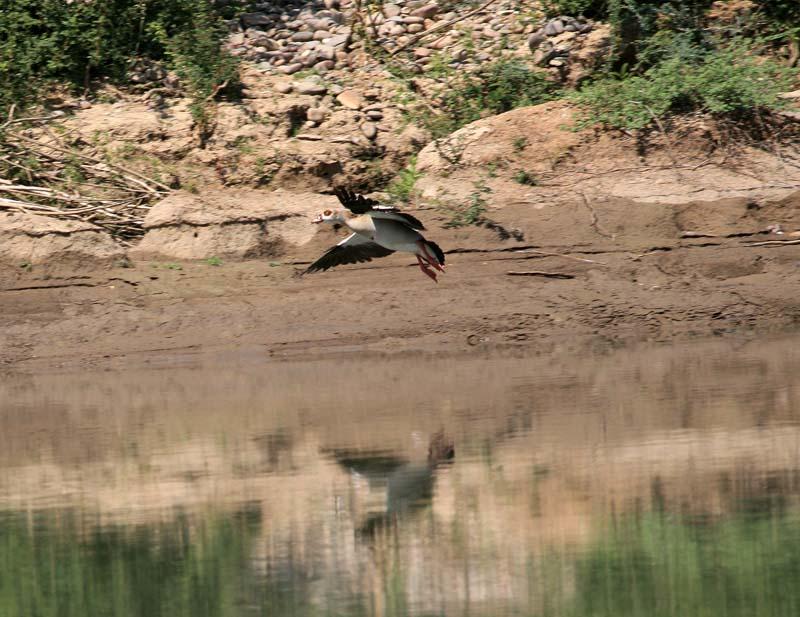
(327, 213)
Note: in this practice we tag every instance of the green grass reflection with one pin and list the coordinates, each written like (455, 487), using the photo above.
(746, 566)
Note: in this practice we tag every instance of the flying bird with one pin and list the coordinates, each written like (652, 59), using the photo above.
(378, 231)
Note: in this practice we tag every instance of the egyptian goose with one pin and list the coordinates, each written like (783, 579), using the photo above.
(377, 231)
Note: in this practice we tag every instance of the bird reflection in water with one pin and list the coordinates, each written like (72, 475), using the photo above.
(409, 485)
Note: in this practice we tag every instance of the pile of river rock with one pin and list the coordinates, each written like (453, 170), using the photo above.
(289, 36)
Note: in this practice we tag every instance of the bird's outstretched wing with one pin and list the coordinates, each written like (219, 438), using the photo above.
(353, 249)
(358, 204)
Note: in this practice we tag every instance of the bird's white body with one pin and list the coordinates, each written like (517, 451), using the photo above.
(377, 231)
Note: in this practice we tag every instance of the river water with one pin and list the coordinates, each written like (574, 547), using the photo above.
(660, 481)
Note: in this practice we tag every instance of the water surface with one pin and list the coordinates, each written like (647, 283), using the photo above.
(660, 481)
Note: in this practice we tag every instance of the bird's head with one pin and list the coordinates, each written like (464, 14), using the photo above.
(329, 216)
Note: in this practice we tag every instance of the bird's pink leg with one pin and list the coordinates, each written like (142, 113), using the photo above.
(424, 267)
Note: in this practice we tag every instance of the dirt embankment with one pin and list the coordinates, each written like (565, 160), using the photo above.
(610, 241)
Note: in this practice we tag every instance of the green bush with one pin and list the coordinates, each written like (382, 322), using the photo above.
(493, 89)
(730, 80)
(75, 43)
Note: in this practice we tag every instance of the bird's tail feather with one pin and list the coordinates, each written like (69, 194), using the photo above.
(436, 251)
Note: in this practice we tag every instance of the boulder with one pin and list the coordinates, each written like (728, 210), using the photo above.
(234, 224)
(34, 239)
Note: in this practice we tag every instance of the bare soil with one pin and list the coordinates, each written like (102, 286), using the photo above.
(636, 287)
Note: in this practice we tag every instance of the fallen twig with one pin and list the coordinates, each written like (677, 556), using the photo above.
(772, 243)
(590, 261)
(550, 275)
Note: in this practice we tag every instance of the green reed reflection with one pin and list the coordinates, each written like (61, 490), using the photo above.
(744, 566)
(48, 567)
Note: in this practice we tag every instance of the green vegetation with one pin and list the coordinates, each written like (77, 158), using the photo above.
(213, 261)
(52, 567)
(661, 567)
(472, 212)
(402, 188)
(524, 177)
(493, 89)
(728, 81)
(47, 42)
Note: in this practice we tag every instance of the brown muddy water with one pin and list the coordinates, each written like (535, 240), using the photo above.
(651, 481)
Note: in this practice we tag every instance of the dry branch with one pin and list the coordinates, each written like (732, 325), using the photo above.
(45, 176)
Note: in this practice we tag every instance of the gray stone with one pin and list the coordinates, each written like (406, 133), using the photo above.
(310, 87)
(300, 37)
(338, 40)
(536, 39)
(391, 10)
(335, 16)
(415, 28)
(321, 35)
(325, 65)
(410, 20)
(370, 130)
(554, 27)
(318, 114)
(326, 52)
(290, 69)
(427, 11)
(374, 115)
(255, 19)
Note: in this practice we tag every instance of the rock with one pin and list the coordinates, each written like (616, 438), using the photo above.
(427, 11)
(290, 69)
(554, 27)
(34, 239)
(338, 40)
(350, 99)
(310, 87)
(301, 37)
(326, 52)
(391, 10)
(284, 87)
(370, 130)
(255, 19)
(536, 39)
(332, 4)
(321, 35)
(374, 115)
(229, 224)
(422, 52)
(325, 65)
(318, 114)
(415, 28)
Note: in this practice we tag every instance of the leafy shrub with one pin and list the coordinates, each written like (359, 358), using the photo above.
(402, 188)
(589, 8)
(727, 80)
(493, 89)
(45, 41)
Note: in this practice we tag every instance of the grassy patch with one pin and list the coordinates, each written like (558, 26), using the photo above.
(213, 261)
(402, 188)
(472, 212)
(526, 178)
(731, 80)
(493, 89)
